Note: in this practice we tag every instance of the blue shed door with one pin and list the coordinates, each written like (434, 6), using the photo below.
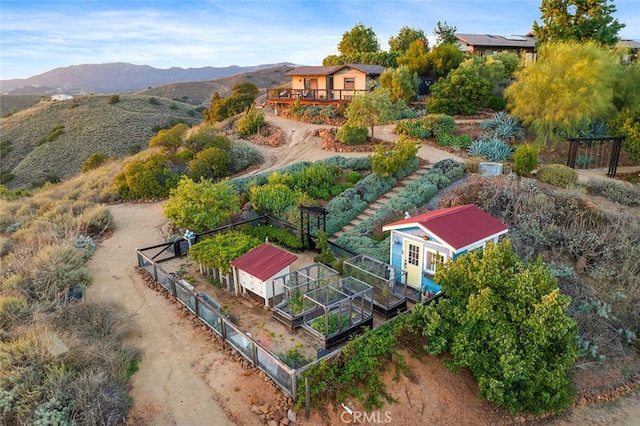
(412, 261)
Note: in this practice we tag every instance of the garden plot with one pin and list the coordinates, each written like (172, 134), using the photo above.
(337, 311)
(288, 306)
(389, 283)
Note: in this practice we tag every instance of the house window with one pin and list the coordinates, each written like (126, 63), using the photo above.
(349, 84)
(414, 255)
(433, 259)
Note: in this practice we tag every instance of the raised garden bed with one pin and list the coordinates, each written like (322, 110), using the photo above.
(334, 312)
(388, 282)
(288, 307)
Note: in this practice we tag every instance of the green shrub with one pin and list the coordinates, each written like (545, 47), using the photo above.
(386, 162)
(276, 235)
(628, 195)
(273, 198)
(352, 135)
(53, 134)
(5, 148)
(525, 160)
(94, 161)
(440, 122)
(154, 101)
(243, 156)
(316, 180)
(496, 103)
(114, 99)
(353, 176)
(250, 123)
(145, 179)
(558, 175)
(211, 163)
(329, 112)
(312, 111)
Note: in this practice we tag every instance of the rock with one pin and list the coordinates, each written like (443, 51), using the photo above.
(284, 421)
(246, 372)
(277, 417)
(291, 415)
(254, 408)
(252, 401)
(264, 409)
(272, 423)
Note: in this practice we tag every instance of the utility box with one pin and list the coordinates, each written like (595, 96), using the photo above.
(490, 169)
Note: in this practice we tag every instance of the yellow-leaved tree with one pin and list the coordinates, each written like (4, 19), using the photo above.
(568, 84)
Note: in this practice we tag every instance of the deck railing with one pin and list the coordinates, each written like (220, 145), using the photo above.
(315, 95)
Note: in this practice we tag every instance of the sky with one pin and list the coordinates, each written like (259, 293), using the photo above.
(39, 35)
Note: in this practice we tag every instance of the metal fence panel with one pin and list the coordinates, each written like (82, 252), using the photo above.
(239, 341)
(209, 316)
(186, 296)
(147, 264)
(166, 279)
(275, 369)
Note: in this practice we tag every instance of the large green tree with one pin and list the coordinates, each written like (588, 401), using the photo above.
(568, 84)
(359, 40)
(405, 38)
(578, 20)
(416, 58)
(463, 91)
(445, 57)
(200, 206)
(401, 83)
(242, 97)
(444, 33)
(369, 109)
(507, 322)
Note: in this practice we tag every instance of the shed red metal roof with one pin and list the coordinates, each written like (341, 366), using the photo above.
(457, 226)
(264, 261)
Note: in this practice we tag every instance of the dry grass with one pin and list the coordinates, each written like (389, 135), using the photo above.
(47, 238)
(91, 125)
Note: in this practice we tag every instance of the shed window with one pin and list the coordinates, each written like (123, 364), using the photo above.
(349, 84)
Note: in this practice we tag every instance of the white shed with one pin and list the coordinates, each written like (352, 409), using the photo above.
(254, 270)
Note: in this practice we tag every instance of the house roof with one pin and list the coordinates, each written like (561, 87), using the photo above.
(631, 44)
(523, 41)
(264, 261)
(316, 71)
(457, 227)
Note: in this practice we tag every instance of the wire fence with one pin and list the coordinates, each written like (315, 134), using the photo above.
(208, 310)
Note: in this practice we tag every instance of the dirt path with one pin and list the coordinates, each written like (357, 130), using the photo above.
(183, 379)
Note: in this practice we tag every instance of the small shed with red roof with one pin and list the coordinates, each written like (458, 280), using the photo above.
(254, 270)
(420, 243)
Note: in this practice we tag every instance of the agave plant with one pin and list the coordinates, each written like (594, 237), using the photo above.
(491, 149)
(503, 126)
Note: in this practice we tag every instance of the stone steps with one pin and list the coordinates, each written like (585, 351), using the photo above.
(381, 201)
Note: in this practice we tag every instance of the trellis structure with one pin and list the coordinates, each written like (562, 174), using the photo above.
(335, 312)
(288, 306)
(389, 283)
(595, 152)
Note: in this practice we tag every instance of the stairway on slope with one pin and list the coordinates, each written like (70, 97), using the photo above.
(382, 200)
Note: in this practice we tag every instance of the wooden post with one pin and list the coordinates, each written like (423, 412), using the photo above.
(307, 403)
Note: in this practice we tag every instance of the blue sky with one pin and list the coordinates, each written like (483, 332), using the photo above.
(37, 36)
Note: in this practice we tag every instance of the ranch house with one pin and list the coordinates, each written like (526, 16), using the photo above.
(325, 84)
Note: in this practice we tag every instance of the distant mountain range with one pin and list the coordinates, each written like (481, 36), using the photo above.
(116, 77)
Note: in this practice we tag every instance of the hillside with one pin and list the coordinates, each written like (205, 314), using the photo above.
(10, 104)
(115, 78)
(199, 92)
(85, 125)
